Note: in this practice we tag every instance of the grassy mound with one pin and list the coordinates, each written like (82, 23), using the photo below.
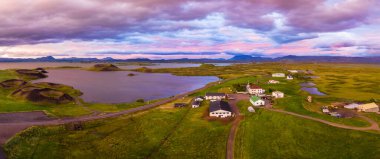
(32, 74)
(43, 95)
(12, 83)
(104, 67)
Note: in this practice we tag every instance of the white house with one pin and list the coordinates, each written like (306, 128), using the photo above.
(278, 75)
(293, 71)
(289, 77)
(215, 96)
(256, 101)
(277, 94)
(220, 109)
(254, 89)
(195, 104)
(273, 82)
(369, 107)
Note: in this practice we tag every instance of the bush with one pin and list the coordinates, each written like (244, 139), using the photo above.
(140, 100)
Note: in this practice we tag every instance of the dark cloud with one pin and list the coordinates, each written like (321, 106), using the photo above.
(284, 38)
(41, 21)
(152, 53)
(335, 45)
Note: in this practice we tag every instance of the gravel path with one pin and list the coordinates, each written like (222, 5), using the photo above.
(235, 123)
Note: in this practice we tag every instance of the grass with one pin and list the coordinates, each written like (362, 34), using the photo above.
(196, 138)
(373, 116)
(266, 134)
(163, 132)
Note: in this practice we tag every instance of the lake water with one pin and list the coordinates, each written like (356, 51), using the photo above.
(313, 90)
(307, 84)
(118, 87)
(309, 87)
(32, 65)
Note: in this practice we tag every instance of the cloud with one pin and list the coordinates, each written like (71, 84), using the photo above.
(270, 27)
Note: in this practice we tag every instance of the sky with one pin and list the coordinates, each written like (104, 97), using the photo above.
(167, 29)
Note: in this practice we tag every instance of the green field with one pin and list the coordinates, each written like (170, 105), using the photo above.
(268, 134)
(163, 132)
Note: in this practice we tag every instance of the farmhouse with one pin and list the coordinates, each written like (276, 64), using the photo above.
(278, 75)
(273, 82)
(369, 107)
(256, 101)
(254, 89)
(289, 77)
(220, 109)
(351, 106)
(277, 94)
(215, 96)
(195, 104)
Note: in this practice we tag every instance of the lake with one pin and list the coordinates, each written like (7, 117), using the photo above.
(118, 87)
(309, 87)
(32, 65)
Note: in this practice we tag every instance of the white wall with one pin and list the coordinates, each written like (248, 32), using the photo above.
(220, 113)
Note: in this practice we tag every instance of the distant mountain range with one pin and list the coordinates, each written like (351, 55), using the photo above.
(235, 59)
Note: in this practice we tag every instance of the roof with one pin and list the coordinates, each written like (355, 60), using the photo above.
(219, 105)
(351, 106)
(215, 94)
(277, 92)
(255, 98)
(368, 106)
(196, 103)
(253, 86)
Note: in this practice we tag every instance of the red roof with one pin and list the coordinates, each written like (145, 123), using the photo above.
(253, 86)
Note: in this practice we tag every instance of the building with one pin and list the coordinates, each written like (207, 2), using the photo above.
(351, 106)
(289, 77)
(195, 104)
(369, 107)
(256, 101)
(254, 89)
(215, 96)
(179, 105)
(273, 82)
(293, 71)
(199, 98)
(220, 109)
(278, 75)
(277, 94)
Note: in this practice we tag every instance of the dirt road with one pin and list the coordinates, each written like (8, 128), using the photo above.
(235, 123)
